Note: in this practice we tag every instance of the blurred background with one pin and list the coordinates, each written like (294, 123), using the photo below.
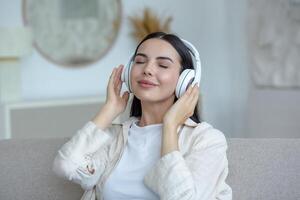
(56, 58)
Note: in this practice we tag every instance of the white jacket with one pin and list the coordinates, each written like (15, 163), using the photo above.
(196, 172)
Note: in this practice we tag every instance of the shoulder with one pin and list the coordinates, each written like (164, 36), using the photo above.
(119, 126)
(205, 135)
(112, 130)
(115, 128)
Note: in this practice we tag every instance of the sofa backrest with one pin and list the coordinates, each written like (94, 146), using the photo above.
(266, 169)
(26, 171)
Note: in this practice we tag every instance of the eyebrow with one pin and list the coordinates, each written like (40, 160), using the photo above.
(159, 58)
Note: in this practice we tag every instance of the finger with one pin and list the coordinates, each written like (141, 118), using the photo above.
(118, 74)
(186, 95)
(188, 91)
(118, 87)
(194, 94)
(118, 80)
(125, 96)
(111, 78)
(113, 73)
(195, 91)
(192, 104)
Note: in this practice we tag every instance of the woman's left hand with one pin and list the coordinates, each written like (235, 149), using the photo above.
(183, 108)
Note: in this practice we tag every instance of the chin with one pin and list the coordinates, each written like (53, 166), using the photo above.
(153, 97)
(146, 97)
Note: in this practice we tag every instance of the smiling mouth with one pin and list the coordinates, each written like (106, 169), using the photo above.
(146, 85)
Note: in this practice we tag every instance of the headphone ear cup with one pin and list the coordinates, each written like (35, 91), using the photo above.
(123, 74)
(125, 77)
(184, 80)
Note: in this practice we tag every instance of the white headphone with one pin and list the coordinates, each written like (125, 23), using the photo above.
(187, 77)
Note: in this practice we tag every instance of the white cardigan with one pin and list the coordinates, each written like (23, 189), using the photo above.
(197, 171)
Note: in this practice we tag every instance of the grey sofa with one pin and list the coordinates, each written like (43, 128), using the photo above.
(259, 169)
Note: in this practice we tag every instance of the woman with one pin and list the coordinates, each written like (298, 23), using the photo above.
(162, 151)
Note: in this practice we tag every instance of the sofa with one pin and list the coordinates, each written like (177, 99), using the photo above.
(259, 169)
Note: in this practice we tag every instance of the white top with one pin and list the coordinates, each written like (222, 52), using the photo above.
(140, 154)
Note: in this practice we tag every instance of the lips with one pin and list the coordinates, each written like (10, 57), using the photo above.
(146, 82)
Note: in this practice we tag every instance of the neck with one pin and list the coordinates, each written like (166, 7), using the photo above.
(153, 113)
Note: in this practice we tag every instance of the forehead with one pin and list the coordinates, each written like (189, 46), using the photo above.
(158, 47)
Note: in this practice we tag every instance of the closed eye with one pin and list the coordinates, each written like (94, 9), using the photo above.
(139, 62)
(163, 66)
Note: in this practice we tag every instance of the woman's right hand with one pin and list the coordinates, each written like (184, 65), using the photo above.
(114, 101)
(114, 104)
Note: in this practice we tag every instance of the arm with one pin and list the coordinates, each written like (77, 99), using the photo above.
(75, 160)
(83, 158)
(194, 176)
(169, 140)
(176, 116)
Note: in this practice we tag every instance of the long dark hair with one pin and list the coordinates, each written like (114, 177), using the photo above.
(186, 63)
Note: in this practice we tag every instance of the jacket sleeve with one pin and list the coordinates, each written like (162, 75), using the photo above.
(194, 176)
(79, 152)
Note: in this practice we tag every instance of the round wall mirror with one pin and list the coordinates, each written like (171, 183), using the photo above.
(73, 32)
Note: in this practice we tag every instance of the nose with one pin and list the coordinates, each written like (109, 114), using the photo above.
(149, 69)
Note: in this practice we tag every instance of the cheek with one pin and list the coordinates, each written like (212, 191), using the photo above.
(134, 72)
(169, 80)
(134, 75)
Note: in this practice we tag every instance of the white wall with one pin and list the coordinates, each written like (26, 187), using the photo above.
(262, 112)
(274, 113)
(202, 22)
(212, 41)
(240, 80)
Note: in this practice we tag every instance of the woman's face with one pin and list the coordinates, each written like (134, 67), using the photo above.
(155, 71)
